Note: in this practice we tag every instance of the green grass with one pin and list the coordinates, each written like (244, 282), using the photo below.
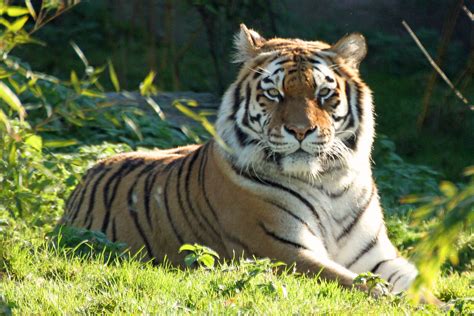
(37, 278)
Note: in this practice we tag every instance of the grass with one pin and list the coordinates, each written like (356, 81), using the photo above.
(37, 278)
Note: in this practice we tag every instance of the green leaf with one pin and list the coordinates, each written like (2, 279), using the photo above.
(207, 260)
(146, 86)
(155, 107)
(18, 24)
(31, 9)
(448, 188)
(92, 94)
(35, 141)
(5, 23)
(186, 111)
(7, 95)
(113, 76)
(190, 259)
(80, 54)
(75, 82)
(130, 123)
(58, 143)
(17, 11)
(5, 122)
(187, 247)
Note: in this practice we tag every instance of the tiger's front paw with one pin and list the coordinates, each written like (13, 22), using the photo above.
(371, 284)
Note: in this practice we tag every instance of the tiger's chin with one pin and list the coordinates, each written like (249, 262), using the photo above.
(301, 163)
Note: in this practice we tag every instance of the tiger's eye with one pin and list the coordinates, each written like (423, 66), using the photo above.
(273, 92)
(324, 92)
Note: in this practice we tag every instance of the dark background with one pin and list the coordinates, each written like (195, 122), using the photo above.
(189, 44)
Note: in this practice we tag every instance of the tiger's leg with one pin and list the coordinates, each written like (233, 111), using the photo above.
(382, 258)
(314, 261)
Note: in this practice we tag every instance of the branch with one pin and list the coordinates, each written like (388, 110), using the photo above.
(434, 65)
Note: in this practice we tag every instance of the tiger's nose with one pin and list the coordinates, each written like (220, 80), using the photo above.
(299, 132)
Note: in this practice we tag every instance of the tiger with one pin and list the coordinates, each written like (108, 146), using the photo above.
(287, 176)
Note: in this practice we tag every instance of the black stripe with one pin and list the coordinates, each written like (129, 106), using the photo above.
(281, 239)
(114, 230)
(202, 225)
(72, 198)
(392, 275)
(82, 192)
(334, 195)
(314, 61)
(279, 186)
(128, 166)
(179, 183)
(227, 235)
(277, 71)
(347, 89)
(371, 244)
(267, 182)
(203, 185)
(329, 79)
(284, 61)
(146, 170)
(237, 99)
(148, 185)
(245, 120)
(399, 277)
(167, 207)
(346, 231)
(268, 80)
(134, 214)
(377, 266)
(293, 215)
(100, 175)
(242, 137)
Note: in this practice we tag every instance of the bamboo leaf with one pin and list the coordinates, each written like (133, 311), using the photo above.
(75, 82)
(92, 93)
(130, 123)
(17, 11)
(31, 9)
(448, 188)
(59, 143)
(7, 95)
(183, 109)
(155, 107)
(80, 54)
(18, 24)
(5, 122)
(146, 86)
(35, 142)
(113, 76)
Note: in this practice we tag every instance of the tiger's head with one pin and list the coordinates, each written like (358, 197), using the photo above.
(297, 107)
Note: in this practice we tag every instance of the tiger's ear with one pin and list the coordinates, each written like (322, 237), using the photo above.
(352, 48)
(247, 43)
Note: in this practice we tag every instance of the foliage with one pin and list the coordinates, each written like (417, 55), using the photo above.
(397, 178)
(83, 242)
(455, 208)
(200, 255)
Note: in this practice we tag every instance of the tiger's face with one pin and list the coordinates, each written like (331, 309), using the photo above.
(296, 105)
